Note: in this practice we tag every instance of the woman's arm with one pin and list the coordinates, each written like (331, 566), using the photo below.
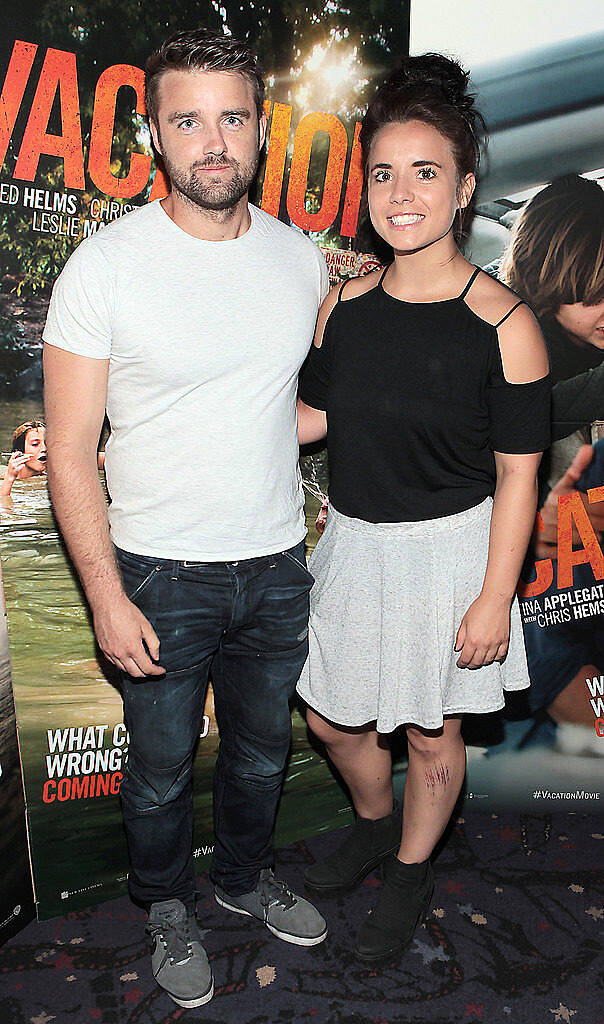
(15, 464)
(483, 635)
(485, 628)
(312, 423)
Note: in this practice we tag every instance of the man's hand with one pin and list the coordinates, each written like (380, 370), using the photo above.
(125, 636)
(484, 633)
(75, 389)
(545, 541)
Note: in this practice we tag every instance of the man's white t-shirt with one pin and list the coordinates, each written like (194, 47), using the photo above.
(204, 341)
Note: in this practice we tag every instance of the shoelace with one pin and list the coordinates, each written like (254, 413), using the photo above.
(275, 893)
(175, 937)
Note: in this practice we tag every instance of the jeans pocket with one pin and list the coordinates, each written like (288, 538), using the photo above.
(292, 558)
(133, 584)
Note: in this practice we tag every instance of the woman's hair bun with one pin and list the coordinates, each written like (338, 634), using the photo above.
(433, 71)
(433, 89)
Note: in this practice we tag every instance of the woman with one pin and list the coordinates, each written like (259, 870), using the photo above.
(555, 261)
(433, 380)
(28, 457)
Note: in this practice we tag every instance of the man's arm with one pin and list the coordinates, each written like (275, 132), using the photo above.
(75, 390)
(483, 634)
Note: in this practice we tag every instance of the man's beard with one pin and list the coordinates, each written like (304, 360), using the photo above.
(215, 195)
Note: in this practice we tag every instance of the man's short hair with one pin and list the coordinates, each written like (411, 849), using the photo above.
(202, 50)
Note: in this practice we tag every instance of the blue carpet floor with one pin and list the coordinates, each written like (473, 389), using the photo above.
(514, 936)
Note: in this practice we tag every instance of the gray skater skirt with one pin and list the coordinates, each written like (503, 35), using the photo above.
(385, 608)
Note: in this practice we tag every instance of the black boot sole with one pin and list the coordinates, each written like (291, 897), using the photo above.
(395, 952)
(344, 888)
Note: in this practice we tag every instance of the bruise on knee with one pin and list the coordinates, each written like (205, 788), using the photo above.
(437, 775)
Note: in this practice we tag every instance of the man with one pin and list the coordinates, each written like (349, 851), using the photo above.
(188, 320)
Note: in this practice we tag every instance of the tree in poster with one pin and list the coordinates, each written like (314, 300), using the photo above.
(316, 56)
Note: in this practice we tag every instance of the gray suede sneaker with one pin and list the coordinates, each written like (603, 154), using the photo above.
(286, 915)
(179, 961)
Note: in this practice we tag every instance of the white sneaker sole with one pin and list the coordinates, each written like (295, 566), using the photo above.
(188, 1004)
(297, 940)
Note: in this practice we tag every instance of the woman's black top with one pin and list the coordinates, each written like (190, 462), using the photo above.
(417, 402)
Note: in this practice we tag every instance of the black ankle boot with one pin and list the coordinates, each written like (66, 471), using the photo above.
(403, 903)
(364, 848)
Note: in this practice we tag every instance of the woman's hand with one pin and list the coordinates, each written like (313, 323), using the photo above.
(484, 633)
(15, 464)
(321, 520)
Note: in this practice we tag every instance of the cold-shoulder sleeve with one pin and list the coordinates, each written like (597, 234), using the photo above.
(315, 376)
(519, 414)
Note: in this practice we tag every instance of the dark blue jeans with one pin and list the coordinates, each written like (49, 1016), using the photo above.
(245, 623)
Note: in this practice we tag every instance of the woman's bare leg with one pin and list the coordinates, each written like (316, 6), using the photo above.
(362, 757)
(437, 764)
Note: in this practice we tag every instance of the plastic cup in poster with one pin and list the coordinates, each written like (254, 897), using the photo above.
(76, 155)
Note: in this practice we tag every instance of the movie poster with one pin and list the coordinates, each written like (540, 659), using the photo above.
(16, 894)
(75, 154)
(538, 80)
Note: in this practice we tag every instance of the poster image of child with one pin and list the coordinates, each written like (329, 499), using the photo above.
(555, 261)
(28, 456)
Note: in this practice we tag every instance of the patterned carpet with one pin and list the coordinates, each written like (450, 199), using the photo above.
(514, 936)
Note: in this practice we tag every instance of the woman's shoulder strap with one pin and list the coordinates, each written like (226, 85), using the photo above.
(341, 288)
(470, 283)
(509, 313)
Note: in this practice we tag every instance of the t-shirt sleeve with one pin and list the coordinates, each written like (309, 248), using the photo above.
(313, 386)
(324, 276)
(519, 415)
(81, 305)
